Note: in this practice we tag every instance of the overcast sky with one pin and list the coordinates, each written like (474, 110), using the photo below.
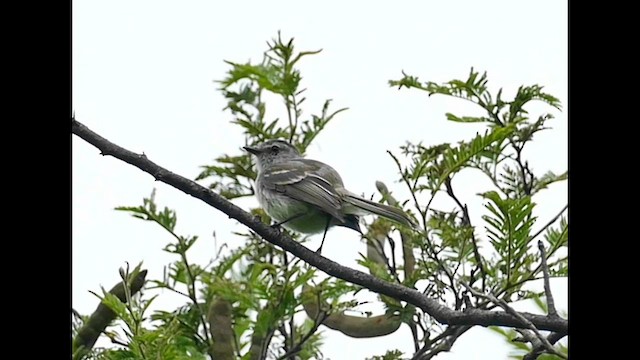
(143, 77)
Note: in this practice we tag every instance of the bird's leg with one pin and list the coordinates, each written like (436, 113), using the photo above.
(326, 228)
(276, 225)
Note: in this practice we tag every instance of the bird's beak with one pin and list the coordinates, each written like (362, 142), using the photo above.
(252, 150)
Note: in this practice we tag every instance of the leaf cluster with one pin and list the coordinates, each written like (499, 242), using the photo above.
(453, 250)
(244, 88)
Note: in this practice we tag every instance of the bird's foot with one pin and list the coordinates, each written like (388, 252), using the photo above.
(277, 226)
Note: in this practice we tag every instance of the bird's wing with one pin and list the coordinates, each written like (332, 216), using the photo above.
(303, 180)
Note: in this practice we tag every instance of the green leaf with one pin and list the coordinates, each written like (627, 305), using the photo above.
(389, 355)
(547, 179)
(557, 237)
(509, 227)
(467, 119)
(456, 158)
(406, 81)
(117, 306)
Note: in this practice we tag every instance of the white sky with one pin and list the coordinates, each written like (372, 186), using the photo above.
(143, 75)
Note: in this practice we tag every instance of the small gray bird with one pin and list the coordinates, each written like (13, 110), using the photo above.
(308, 196)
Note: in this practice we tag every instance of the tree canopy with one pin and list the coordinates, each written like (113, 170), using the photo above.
(266, 299)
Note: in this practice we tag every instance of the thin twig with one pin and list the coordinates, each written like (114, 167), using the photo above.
(445, 344)
(287, 102)
(414, 336)
(551, 306)
(283, 331)
(392, 245)
(116, 341)
(553, 220)
(411, 189)
(440, 343)
(467, 221)
(170, 289)
(523, 167)
(192, 282)
(434, 256)
(378, 246)
(320, 318)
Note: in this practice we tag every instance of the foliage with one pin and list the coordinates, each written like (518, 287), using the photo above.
(243, 88)
(390, 355)
(251, 302)
(497, 153)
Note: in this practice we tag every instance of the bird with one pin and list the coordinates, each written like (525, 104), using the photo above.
(308, 196)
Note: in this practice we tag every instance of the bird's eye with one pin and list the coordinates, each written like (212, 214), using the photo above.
(275, 149)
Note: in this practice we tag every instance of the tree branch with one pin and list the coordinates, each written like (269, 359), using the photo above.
(440, 343)
(547, 346)
(539, 349)
(438, 311)
(551, 305)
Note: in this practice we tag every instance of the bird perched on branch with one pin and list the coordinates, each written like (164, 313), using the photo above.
(308, 196)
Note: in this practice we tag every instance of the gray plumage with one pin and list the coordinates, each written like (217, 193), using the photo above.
(308, 196)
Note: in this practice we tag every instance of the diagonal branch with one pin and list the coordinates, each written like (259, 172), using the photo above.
(510, 310)
(439, 312)
(539, 348)
(550, 222)
(440, 343)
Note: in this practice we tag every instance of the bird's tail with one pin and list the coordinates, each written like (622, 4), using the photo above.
(383, 210)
